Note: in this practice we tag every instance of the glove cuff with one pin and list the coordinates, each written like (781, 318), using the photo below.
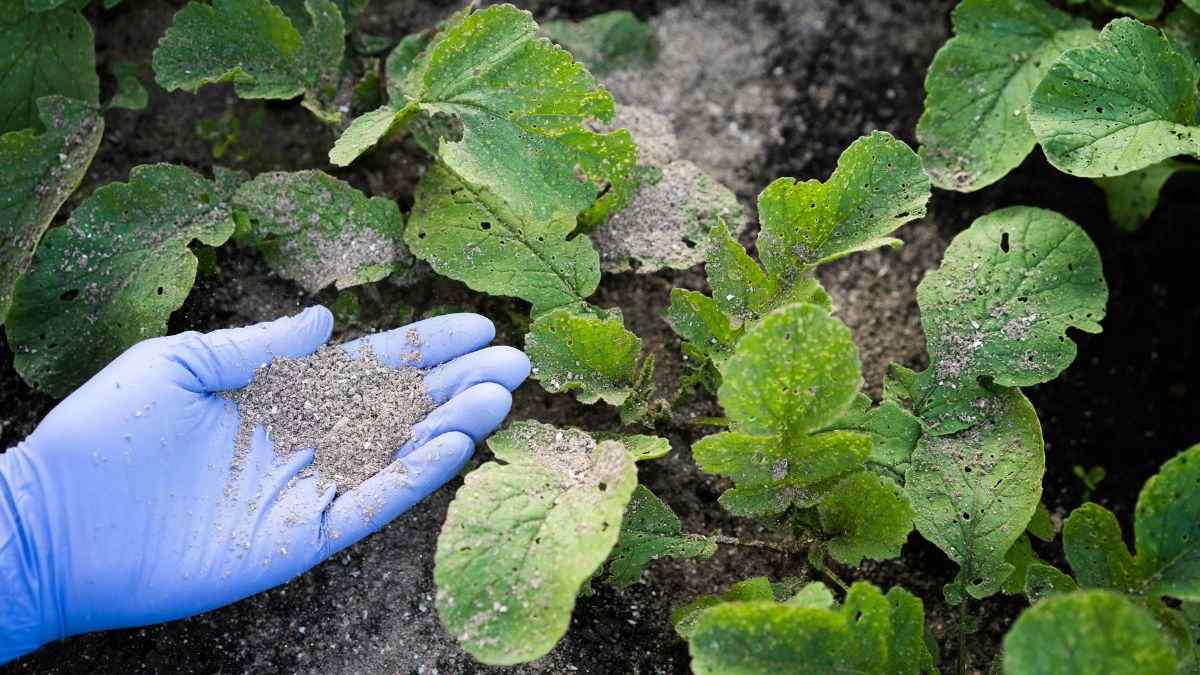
(28, 611)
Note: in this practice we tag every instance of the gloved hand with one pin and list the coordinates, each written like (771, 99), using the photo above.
(117, 510)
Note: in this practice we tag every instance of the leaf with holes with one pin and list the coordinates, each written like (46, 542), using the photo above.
(650, 531)
(113, 274)
(975, 492)
(40, 172)
(870, 633)
(317, 230)
(606, 42)
(974, 128)
(999, 307)
(42, 53)
(1119, 105)
(792, 375)
(878, 186)
(255, 45)
(465, 233)
(523, 534)
(591, 354)
(519, 104)
(1087, 632)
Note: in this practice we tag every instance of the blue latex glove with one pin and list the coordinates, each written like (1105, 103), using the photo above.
(115, 511)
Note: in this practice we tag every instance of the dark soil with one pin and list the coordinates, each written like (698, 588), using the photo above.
(831, 71)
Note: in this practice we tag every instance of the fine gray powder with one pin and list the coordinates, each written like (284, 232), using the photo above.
(354, 412)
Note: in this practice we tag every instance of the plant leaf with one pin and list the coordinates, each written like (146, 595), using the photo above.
(650, 531)
(1000, 305)
(1042, 580)
(317, 230)
(792, 375)
(740, 287)
(113, 274)
(1121, 104)
(1093, 545)
(698, 320)
(642, 447)
(975, 492)
(253, 44)
(1167, 523)
(516, 96)
(1147, 10)
(606, 42)
(1183, 28)
(40, 172)
(749, 590)
(130, 95)
(894, 433)
(878, 186)
(1134, 196)
(870, 517)
(871, 633)
(592, 355)
(974, 130)
(523, 534)
(1087, 632)
(467, 234)
(1021, 556)
(45, 54)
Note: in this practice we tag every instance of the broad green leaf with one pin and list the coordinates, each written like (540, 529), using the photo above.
(606, 42)
(974, 130)
(740, 287)
(1134, 196)
(1000, 305)
(400, 61)
(792, 375)
(40, 172)
(1167, 523)
(870, 633)
(894, 433)
(593, 355)
(130, 95)
(42, 54)
(868, 516)
(813, 594)
(878, 186)
(523, 534)
(650, 531)
(1147, 10)
(756, 589)
(317, 230)
(520, 103)
(1093, 545)
(1085, 633)
(1042, 581)
(1183, 28)
(1042, 524)
(974, 492)
(113, 274)
(642, 447)
(467, 234)
(253, 44)
(1121, 104)
(698, 320)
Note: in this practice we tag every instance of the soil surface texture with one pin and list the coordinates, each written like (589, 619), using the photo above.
(754, 90)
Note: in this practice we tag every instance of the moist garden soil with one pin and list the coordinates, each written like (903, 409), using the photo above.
(755, 90)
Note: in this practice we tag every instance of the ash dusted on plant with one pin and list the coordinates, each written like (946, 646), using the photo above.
(355, 412)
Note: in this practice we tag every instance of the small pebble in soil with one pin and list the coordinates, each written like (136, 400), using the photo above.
(354, 412)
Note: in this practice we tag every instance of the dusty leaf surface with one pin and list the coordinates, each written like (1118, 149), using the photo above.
(974, 492)
(999, 307)
(1087, 632)
(522, 536)
(651, 530)
(317, 230)
(974, 128)
(43, 53)
(593, 355)
(792, 375)
(112, 275)
(1118, 105)
(40, 172)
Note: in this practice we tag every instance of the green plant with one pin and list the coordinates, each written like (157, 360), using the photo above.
(1116, 106)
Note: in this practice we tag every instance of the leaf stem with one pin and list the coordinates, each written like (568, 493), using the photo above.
(756, 543)
(962, 637)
